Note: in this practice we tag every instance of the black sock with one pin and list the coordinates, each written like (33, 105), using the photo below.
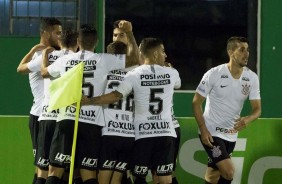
(174, 180)
(223, 181)
(64, 182)
(53, 180)
(40, 180)
(91, 181)
(77, 180)
(34, 178)
(140, 180)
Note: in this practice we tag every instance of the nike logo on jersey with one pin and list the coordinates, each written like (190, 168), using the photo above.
(223, 86)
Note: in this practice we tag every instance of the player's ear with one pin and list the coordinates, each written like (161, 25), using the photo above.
(155, 54)
(230, 53)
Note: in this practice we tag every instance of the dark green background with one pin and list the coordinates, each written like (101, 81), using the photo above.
(16, 98)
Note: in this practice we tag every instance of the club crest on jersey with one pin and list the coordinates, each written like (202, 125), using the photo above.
(216, 152)
(245, 89)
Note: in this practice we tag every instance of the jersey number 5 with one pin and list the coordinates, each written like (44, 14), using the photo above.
(153, 99)
(88, 85)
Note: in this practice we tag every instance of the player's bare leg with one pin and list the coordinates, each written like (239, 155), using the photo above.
(212, 175)
(104, 176)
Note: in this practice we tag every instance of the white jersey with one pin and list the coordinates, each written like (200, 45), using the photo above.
(35, 65)
(37, 87)
(96, 68)
(174, 120)
(225, 99)
(118, 116)
(153, 87)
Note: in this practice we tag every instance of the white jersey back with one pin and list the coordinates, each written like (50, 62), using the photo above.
(96, 68)
(118, 116)
(153, 87)
(53, 115)
(37, 88)
(225, 99)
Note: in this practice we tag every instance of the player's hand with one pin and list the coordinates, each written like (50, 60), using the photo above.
(206, 137)
(47, 50)
(240, 124)
(85, 100)
(125, 25)
(167, 64)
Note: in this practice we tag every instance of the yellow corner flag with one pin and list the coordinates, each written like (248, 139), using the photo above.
(67, 89)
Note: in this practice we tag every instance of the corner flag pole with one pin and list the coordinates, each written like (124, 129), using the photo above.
(74, 141)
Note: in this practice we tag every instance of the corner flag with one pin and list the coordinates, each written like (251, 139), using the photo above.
(67, 89)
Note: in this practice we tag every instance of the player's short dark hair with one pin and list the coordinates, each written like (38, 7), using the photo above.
(147, 44)
(115, 24)
(232, 42)
(47, 23)
(117, 47)
(88, 36)
(69, 38)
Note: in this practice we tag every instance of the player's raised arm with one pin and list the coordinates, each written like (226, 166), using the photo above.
(23, 68)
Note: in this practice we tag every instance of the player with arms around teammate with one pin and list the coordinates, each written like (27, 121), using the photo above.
(50, 32)
(47, 120)
(91, 118)
(153, 86)
(226, 88)
(118, 134)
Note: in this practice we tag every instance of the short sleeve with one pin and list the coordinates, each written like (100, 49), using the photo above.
(114, 61)
(177, 79)
(206, 83)
(255, 90)
(54, 68)
(35, 64)
(127, 84)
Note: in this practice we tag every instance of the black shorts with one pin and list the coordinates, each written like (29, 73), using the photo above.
(116, 153)
(156, 153)
(87, 145)
(176, 144)
(222, 150)
(33, 129)
(45, 135)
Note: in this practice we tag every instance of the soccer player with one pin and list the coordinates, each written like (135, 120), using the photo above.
(153, 86)
(226, 88)
(118, 134)
(50, 32)
(91, 118)
(123, 32)
(47, 120)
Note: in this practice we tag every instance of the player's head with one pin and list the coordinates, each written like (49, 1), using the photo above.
(118, 33)
(238, 50)
(117, 47)
(50, 31)
(153, 49)
(69, 39)
(87, 37)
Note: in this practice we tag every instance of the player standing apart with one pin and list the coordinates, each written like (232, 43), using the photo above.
(226, 88)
